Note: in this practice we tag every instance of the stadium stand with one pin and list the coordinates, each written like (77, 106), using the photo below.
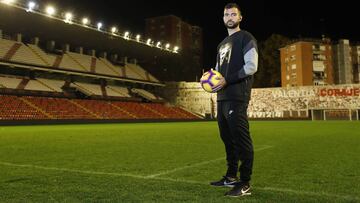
(272, 103)
(59, 108)
(23, 83)
(18, 52)
(117, 71)
(17, 108)
(146, 94)
(130, 73)
(88, 89)
(14, 51)
(141, 72)
(116, 91)
(46, 58)
(37, 86)
(53, 93)
(169, 112)
(55, 85)
(102, 67)
(46, 108)
(11, 82)
(140, 110)
(66, 61)
(86, 62)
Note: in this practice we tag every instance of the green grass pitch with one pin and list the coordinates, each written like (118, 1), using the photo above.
(295, 161)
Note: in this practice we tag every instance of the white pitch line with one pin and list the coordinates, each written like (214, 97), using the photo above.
(70, 170)
(320, 194)
(197, 164)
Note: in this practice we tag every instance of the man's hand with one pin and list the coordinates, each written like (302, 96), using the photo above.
(220, 85)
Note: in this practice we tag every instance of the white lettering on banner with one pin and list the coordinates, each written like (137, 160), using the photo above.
(293, 93)
(270, 114)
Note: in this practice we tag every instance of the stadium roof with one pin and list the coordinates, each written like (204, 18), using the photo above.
(14, 20)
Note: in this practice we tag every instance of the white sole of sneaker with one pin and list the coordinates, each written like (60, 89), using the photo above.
(244, 194)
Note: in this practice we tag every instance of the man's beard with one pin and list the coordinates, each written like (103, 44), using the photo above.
(234, 25)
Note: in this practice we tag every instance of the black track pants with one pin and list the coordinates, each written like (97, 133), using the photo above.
(234, 131)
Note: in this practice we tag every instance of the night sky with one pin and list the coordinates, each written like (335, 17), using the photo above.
(260, 17)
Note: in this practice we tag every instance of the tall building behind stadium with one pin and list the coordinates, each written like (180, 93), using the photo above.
(189, 37)
(356, 62)
(319, 62)
(306, 63)
(343, 66)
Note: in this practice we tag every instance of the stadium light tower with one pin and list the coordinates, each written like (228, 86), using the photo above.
(31, 6)
(85, 21)
(50, 10)
(138, 38)
(99, 26)
(8, 1)
(68, 17)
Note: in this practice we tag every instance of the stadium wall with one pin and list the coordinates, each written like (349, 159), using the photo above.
(269, 103)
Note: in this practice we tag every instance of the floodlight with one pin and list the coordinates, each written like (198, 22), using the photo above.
(85, 21)
(31, 6)
(148, 42)
(68, 17)
(138, 37)
(99, 26)
(50, 10)
(113, 30)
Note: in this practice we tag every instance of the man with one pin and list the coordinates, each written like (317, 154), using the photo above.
(237, 61)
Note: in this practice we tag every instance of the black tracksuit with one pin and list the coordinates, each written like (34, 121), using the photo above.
(237, 62)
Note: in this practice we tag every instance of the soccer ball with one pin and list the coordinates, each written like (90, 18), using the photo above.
(209, 80)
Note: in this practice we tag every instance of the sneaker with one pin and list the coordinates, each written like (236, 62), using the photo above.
(225, 182)
(240, 189)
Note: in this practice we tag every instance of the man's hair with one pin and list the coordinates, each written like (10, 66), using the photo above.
(232, 5)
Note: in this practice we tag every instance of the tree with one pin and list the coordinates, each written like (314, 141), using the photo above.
(269, 70)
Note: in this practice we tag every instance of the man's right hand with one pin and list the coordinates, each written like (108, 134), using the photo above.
(220, 85)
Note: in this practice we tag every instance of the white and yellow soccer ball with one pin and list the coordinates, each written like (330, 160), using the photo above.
(209, 80)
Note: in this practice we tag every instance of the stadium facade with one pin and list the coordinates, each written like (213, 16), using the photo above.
(304, 102)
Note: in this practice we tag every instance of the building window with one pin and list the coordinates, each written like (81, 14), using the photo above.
(293, 66)
(292, 48)
(319, 57)
(292, 57)
(316, 47)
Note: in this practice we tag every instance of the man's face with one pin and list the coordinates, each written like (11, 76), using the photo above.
(232, 18)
